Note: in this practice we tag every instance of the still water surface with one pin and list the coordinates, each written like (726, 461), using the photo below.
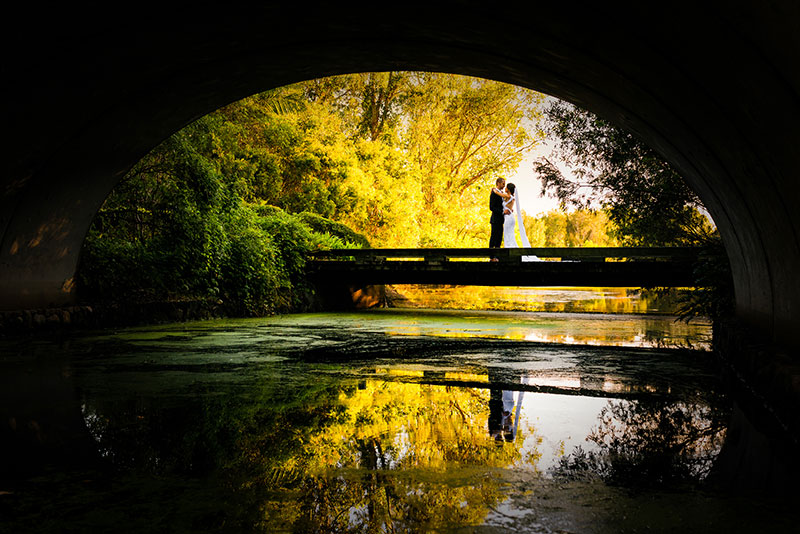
(379, 421)
(540, 299)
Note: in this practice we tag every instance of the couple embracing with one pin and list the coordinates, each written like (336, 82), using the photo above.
(506, 215)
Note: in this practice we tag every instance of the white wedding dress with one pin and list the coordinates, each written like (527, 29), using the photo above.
(510, 221)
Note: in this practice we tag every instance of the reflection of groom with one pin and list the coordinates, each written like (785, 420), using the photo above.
(501, 404)
(496, 207)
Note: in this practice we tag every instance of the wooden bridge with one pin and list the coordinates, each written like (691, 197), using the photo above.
(589, 266)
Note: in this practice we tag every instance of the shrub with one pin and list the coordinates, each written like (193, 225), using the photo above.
(250, 276)
(321, 225)
(292, 241)
(265, 210)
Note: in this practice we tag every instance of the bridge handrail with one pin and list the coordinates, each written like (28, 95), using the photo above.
(564, 253)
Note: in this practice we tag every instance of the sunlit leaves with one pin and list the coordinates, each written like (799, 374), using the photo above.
(428, 145)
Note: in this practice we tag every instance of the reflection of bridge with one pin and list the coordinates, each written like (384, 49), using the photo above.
(595, 266)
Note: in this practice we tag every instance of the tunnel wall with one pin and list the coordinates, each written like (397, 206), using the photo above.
(713, 88)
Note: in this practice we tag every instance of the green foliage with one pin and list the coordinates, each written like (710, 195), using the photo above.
(179, 227)
(227, 208)
(265, 210)
(328, 241)
(647, 202)
(159, 232)
(321, 225)
(250, 278)
(713, 296)
(293, 239)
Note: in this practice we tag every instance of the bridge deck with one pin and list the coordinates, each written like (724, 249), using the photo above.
(590, 266)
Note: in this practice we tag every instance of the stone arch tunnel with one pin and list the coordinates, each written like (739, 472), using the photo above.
(714, 87)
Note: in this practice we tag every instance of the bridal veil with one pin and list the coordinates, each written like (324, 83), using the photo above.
(522, 233)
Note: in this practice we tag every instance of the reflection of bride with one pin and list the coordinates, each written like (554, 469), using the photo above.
(512, 219)
(502, 407)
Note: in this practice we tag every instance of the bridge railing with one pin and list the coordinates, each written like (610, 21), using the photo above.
(510, 255)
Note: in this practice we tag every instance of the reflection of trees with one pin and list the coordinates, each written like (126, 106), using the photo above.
(651, 443)
(384, 455)
(654, 330)
(393, 460)
(604, 300)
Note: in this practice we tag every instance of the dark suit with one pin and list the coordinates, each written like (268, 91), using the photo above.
(496, 206)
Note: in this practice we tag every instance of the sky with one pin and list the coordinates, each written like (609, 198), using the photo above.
(530, 186)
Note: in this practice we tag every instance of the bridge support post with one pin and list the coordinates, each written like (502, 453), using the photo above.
(336, 296)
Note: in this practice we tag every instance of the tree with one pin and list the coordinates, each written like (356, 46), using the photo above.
(454, 134)
(368, 103)
(312, 159)
(380, 104)
(555, 229)
(188, 220)
(405, 158)
(534, 228)
(461, 130)
(646, 199)
(460, 133)
(648, 202)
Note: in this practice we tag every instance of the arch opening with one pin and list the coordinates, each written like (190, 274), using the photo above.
(720, 106)
(384, 153)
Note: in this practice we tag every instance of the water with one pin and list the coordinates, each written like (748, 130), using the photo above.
(615, 300)
(386, 420)
(622, 330)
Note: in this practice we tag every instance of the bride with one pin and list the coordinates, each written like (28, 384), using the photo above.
(512, 219)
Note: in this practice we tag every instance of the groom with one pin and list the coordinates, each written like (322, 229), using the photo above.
(496, 207)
